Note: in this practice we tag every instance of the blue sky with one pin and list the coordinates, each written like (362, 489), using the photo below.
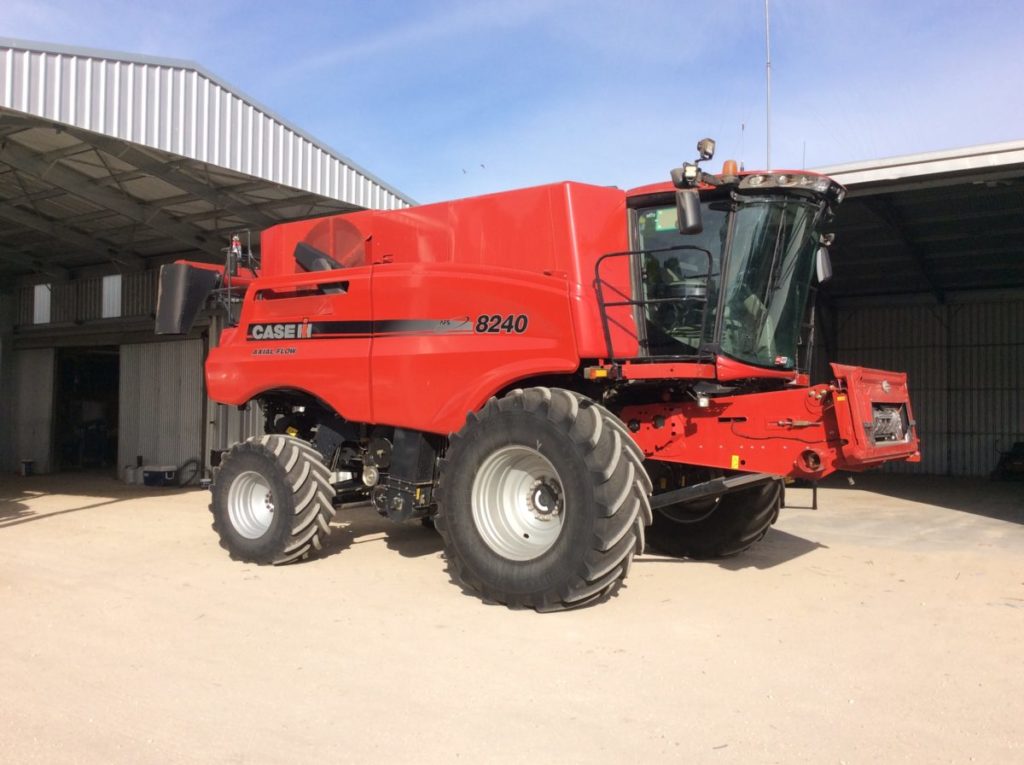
(447, 99)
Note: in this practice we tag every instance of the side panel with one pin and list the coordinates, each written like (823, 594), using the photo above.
(757, 433)
(160, 409)
(797, 432)
(33, 406)
(449, 337)
(309, 332)
(588, 222)
(558, 229)
(864, 390)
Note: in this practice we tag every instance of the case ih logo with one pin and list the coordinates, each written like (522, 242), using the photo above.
(280, 331)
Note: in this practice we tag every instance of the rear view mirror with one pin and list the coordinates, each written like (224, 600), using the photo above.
(823, 265)
(688, 211)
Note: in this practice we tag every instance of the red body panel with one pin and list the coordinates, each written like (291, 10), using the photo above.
(430, 380)
(853, 410)
(558, 230)
(335, 370)
(527, 253)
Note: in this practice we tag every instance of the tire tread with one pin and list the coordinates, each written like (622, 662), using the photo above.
(303, 470)
(621, 493)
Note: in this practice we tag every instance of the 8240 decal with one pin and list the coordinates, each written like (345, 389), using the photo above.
(495, 323)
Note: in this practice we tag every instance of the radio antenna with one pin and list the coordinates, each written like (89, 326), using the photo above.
(768, 89)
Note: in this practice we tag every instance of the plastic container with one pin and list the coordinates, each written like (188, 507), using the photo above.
(130, 474)
(160, 475)
(28, 467)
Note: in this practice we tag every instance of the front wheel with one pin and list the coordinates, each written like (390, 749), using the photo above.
(543, 499)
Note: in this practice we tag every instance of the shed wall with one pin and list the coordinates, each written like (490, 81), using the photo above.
(33, 406)
(161, 403)
(964, 362)
(7, 410)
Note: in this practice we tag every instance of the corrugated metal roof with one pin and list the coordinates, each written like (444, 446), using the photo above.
(178, 107)
(936, 223)
(981, 161)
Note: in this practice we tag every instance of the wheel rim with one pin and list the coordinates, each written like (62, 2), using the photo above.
(250, 505)
(518, 503)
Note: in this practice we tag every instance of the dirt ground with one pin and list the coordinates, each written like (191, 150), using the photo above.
(887, 626)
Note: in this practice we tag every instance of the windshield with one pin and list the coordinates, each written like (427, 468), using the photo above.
(762, 297)
(767, 278)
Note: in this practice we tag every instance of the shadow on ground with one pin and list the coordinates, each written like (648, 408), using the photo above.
(776, 548)
(21, 498)
(1001, 500)
(361, 524)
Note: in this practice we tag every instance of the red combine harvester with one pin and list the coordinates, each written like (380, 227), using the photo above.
(544, 373)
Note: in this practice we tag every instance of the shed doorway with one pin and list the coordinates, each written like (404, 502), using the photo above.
(85, 413)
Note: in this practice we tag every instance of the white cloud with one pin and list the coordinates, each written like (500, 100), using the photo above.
(453, 21)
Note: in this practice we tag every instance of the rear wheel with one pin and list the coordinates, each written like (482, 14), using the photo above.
(716, 528)
(272, 500)
(542, 500)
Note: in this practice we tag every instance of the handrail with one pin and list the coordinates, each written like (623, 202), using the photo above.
(643, 303)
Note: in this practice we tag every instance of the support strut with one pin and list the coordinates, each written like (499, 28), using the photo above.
(710, 488)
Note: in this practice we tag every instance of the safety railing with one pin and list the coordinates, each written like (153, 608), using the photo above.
(688, 293)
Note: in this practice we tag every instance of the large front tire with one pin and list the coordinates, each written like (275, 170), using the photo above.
(722, 528)
(272, 500)
(542, 501)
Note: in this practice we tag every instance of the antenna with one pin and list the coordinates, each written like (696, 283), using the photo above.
(768, 90)
(743, 141)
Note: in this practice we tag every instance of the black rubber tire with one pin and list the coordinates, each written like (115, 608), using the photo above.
(605, 490)
(301, 490)
(721, 530)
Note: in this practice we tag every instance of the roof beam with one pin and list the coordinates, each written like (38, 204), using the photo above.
(33, 197)
(80, 185)
(845, 225)
(173, 174)
(34, 263)
(70, 236)
(895, 223)
(858, 189)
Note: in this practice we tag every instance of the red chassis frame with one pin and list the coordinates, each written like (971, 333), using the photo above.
(796, 432)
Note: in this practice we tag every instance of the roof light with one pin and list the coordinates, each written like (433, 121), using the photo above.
(819, 184)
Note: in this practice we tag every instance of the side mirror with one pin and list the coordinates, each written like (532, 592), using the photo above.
(823, 265)
(688, 211)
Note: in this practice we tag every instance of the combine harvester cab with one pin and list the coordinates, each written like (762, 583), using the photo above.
(552, 376)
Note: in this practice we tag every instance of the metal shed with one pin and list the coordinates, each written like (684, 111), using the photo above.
(112, 164)
(929, 278)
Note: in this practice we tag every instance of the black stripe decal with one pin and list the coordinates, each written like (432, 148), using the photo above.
(327, 330)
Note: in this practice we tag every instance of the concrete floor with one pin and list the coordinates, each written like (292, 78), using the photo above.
(888, 626)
